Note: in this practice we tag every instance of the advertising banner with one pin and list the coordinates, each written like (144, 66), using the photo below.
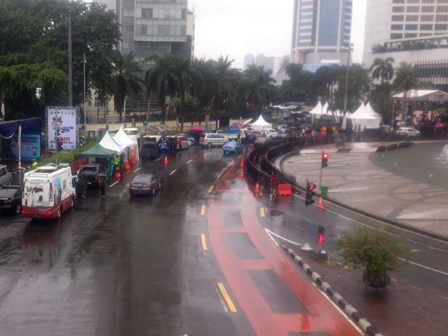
(65, 119)
(30, 146)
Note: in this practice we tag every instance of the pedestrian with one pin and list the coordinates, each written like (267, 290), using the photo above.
(103, 184)
(34, 164)
(239, 137)
(111, 166)
(116, 162)
(147, 157)
(83, 186)
(180, 143)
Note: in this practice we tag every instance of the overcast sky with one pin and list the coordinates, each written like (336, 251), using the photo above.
(240, 27)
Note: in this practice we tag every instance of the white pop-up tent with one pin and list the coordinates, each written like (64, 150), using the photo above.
(364, 118)
(319, 109)
(126, 142)
(370, 110)
(109, 143)
(261, 124)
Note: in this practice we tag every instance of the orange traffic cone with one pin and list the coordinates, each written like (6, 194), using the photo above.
(166, 159)
(320, 205)
(117, 174)
(257, 188)
(133, 163)
(242, 162)
(242, 174)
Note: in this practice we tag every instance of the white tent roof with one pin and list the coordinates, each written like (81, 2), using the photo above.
(318, 109)
(108, 142)
(364, 118)
(371, 111)
(261, 123)
(122, 138)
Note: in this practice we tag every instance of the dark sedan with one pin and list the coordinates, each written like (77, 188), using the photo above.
(145, 184)
(91, 172)
(11, 199)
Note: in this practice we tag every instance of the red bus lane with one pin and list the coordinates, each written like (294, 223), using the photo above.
(263, 281)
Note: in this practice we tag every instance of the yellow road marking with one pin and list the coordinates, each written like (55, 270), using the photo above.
(204, 243)
(227, 298)
(229, 164)
(211, 189)
(262, 212)
(219, 176)
(137, 169)
(113, 184)
(239, 156)
(203, 210)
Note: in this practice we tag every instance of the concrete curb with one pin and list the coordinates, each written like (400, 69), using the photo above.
(351, 312)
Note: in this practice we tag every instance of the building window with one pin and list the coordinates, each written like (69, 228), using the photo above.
(398, 9)
(164, 30)
(99, 103)
(183, 30)
(144, 30)
(426, 17)
(398, 1)
(428, 1)
(396, 27)
(395, 36)
(398, 18)
(442, 1)
(411, 18)
(441, 18)
(412, 9)
(147, 13)
(411, 27)
(184, 14)
(424, 34)
(427, 9)
(413, 1)
(441, 27)
(442, 9)
(426, 27)
(410, 35)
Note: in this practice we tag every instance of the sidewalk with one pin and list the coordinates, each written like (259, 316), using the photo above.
(356, 182)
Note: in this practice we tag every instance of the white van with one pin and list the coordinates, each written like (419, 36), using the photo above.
(47, 191)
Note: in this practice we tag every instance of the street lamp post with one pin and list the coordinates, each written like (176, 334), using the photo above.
(84, 105)
(349, 49)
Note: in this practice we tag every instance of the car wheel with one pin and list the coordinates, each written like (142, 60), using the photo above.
(18, 209)
(209, 145)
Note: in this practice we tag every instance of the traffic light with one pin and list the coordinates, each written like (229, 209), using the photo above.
(320, 234)
(310, 193)
(59, 145)
(324, 160)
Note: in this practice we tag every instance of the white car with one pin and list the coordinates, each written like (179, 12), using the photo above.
(270, 133)
(408, 132)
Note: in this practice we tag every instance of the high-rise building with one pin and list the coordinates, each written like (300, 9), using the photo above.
(321, 30)
(413, 31)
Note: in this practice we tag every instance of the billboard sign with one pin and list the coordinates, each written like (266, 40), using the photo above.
(63, 118)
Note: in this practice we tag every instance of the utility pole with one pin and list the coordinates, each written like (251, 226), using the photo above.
(70, 64)
(346, 77)
(84, 105)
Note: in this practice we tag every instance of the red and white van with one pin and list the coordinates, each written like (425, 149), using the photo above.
(48, 191)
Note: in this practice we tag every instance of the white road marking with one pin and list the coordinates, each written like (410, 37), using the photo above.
(189, 161)
(113, 184)
(173, 172)
(137, 169)
(429, 268)
(269, 232)
(339, 309)
(269, 235)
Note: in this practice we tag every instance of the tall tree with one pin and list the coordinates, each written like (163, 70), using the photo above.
(162, 78)
(127, 80)
(200, 88)
(406, 78)
(382, 68)
(294, 70)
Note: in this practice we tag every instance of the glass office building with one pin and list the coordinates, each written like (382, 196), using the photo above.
(320, 27)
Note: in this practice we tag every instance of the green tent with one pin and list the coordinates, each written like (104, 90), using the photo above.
(98, 151)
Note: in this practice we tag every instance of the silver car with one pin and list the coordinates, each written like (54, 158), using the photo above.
(212, 139)
(408, 132)
(5, 176)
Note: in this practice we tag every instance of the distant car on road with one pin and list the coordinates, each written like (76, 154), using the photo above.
(5, 176)
(152, 147)
(145, 184)
(11, 199)
(92, 171)
(232, 147)
(211, 139)
(408, 132)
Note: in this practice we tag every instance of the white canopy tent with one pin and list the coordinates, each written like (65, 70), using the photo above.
(126, 142)
(364, 118)
(319, 109)
(261, 124)
(371, 111)
(108, 142)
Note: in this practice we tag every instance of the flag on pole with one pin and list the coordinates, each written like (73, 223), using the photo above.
(3, 106)
(177, 123)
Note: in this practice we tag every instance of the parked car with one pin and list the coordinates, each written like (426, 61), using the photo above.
(232, 147)
(151, 138)
(185, 141)
(5, 176)
(11, 199)
(270, 133)
(210, 140)
(152, 147)
(145, 184)
(92, 171)
(408, 132)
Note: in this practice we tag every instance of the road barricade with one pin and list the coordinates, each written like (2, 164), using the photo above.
(284, 189)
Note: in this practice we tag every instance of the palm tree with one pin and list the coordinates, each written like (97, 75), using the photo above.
(162, 78)
(382, 68)
(200, 88)
(223, 83)
(127, 82)
(406, 79)
(294, 70)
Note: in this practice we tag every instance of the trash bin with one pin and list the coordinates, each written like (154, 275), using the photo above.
(324, 190)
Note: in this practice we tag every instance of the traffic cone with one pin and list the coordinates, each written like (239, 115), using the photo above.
(133, 163)
(117, 174)
(257, 188)
(242, 174)
(320, 205)
(166, 159)
(242, 162)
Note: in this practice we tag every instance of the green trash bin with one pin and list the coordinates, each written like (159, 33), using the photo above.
(324, 190)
